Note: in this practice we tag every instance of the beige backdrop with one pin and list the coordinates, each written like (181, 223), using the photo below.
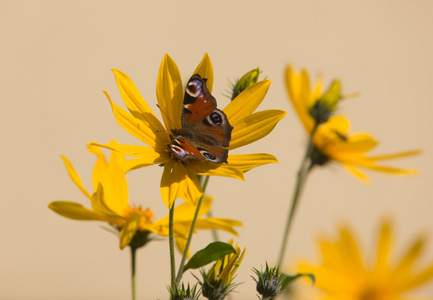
(56, 58)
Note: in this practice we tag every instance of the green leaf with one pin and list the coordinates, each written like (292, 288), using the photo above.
(212, 252)
(290, 278)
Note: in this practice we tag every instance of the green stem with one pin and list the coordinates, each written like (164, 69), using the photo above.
(304, 169)
(133, 264)
(191, 232)
(171, 243)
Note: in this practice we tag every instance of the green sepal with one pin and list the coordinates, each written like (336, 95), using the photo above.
(212, 252)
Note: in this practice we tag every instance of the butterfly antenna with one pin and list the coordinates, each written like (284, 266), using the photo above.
(163, 112)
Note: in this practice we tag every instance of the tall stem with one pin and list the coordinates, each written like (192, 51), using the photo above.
(191, 232)
(304, 169)
(171, 243)
(133, 264)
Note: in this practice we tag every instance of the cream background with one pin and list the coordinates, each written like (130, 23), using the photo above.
(56, 58)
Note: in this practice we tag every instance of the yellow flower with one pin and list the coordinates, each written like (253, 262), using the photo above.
(110, 204)
(332, 141)
(179, 179)
(343, 274)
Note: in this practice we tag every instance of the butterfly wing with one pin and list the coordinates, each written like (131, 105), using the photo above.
(205, 129)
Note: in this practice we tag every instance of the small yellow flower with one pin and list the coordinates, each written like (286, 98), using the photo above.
(343, 274)
(110, 204)
(332, 141)
(179, 179)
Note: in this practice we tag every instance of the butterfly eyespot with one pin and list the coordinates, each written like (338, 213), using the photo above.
(209, 156)
(193, 88)
(215, 118)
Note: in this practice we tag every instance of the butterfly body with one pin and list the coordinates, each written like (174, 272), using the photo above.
(206, 131)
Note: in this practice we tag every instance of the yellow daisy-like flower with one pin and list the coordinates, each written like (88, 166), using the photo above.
(331, 140)
(343, 274)
(179, 179)
(110, 204)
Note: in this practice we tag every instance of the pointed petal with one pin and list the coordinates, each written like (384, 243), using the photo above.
(255, 127)
(218, 224)
(410, 257)
(133, 150)
(172, 182)
(246, 102)
(134, 126)
(395, 155)
(100, 168)
(151, 159)
(419, 279)
(205, 70)
(204, 168)
(298, 88)
(75, 211)
(388, 170)
(169, 92)
(115, 185)
(135, 103)
(193, 190)
(99, 206)
(357, 173)
(246, 162)
(351, 251)
(128, 230)
(383, 248)
(74, 176)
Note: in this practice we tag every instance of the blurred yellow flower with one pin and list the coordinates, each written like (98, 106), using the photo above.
(110, 204)
(343, 274)
(179, 179)
(332, 141)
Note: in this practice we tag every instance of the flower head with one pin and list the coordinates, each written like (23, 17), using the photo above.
(179, 179)
(269, 283)
(218, 281)
(331, 140)
(344, 274)
(110, 204)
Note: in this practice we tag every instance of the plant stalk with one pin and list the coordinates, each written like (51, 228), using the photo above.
(171, 244)
(303, 172)
(191, 231)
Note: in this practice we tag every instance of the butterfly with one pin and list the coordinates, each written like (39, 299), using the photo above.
(206, 131)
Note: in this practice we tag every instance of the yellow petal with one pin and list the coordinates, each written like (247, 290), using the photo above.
(99, 206)
(169, 92)
(247, 102)
(419, 279)
(74, 176)
(148, 160)
(204, 168)
(131, 150)
(115, 185)
(135, 103)
(74, 211)
(218, 224)
(205, 70)
(193, 190)
(172, 182)
(356, 172)
(134, 126)
(255, 127)
(383, 248)
(181, 244)
(395, 155)
(298, 88)
(246, 162)
(410, 257)
(354, 146)
(100, 168)
(128, 230)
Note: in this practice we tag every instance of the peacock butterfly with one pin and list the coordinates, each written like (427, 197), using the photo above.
(206, 131)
